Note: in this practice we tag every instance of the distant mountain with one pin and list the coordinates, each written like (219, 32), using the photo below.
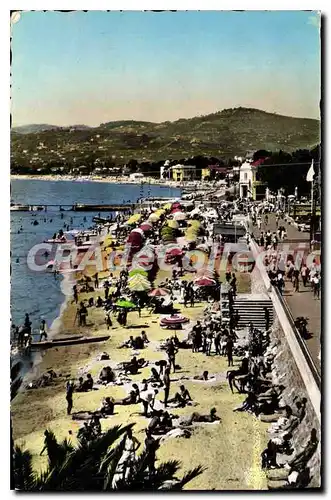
(35, 128)
(223, 134)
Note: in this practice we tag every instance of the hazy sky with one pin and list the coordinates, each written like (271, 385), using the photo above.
(89, 68)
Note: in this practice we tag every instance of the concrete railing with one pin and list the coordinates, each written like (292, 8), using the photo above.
(303, 360)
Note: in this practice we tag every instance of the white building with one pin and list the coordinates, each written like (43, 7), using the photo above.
(247, 179)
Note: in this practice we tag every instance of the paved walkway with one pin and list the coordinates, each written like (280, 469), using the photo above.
(301, 303)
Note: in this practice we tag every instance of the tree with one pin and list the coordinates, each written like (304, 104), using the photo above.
(93, 466)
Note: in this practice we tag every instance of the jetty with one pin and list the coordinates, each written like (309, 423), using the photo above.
(78, 207)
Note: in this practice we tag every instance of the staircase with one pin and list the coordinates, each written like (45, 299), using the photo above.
(250, 307)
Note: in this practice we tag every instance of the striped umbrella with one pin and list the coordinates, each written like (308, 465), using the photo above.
(158, 292)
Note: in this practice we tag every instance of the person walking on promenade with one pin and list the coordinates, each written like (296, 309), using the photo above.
(296, 283)
(69, 393)
(304, 274)
(96, 280)
(316, 286)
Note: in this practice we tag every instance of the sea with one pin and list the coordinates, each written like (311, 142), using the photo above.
(38, 293)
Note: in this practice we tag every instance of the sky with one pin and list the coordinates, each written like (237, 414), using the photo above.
(97, 66)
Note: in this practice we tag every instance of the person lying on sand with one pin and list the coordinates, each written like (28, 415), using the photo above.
(197, 417)
(204, 376)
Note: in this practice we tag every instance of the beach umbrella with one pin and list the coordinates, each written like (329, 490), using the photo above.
(146, 226)
(174, 251)
(126, 304)
(141, 272)
(173, 224)
(167, 206)
(139, 286)
(158, 292)
(176, 204)
(134, 218)
(153, 217)
(194, 223)
(205, 273)
(179, 216)
(175, 319)
(138, 278)
(144, 282)
(204, 281)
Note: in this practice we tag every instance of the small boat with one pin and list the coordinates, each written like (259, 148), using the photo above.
(58, 241)
(19, 208)
(74, 337)
(67, 342)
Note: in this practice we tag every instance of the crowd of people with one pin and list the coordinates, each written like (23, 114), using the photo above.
(214, 334)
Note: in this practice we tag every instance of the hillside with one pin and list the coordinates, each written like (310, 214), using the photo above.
(222, 134)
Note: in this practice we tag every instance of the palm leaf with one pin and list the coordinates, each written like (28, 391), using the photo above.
(192, 474)
(22, 469)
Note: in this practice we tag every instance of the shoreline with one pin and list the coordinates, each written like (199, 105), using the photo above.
(95, 178)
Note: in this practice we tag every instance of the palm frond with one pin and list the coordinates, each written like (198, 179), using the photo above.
(80, 469)
(22, 469)
(192, 474)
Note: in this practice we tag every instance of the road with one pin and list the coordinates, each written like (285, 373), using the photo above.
(301, 303)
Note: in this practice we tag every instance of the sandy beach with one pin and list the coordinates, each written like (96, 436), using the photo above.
(230, 462)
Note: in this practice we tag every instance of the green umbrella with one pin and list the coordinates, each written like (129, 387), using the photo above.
(139, 287)
(138, 271)
(126, 304)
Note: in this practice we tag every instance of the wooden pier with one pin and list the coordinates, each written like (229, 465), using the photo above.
(78, 207)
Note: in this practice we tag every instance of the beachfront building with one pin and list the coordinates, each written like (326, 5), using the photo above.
(247, 181)
(180, 173)
(136, 177)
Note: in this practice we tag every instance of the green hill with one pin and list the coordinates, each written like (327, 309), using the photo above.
(222, 134)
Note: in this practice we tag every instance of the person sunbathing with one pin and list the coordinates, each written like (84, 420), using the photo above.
(144, 337)
(107, 375)
(131, 399)
(107, 407)
(155, 377)
(95, 426)
(197, 417)
(182, 397)
(161, 423)
(85, 385)
(128, 343)
(204, 376)
(132, 366)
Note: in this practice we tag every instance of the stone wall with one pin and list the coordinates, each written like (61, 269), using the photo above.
(286, 369)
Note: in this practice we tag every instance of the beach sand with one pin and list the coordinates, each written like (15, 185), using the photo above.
(230, 450)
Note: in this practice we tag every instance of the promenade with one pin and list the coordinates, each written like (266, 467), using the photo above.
(301, 303)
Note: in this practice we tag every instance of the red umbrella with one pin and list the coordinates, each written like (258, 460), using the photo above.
(176, 204)
(204, 281)
(158, 292)
(175, 319)
(146, 226)
(174, 251)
